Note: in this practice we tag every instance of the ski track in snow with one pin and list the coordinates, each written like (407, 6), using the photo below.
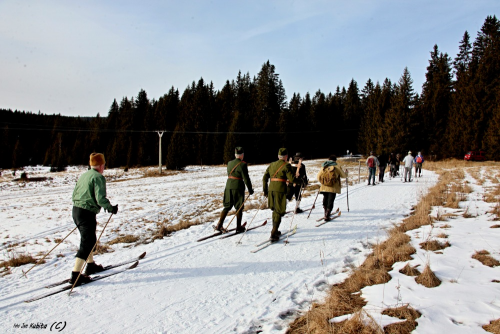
(184, 286)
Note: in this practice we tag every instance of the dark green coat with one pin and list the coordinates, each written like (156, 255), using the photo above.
(240, 172)
(284, 173)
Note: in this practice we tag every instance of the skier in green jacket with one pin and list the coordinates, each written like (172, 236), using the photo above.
(279, 172)
(89, 196)
(234, 194)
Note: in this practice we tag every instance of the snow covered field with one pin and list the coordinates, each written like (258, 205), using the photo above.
(219, 286)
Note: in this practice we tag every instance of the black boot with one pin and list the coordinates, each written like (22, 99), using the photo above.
(93, 268)
(223, 215)
(82, 279)
(239, 217)
(298, 210)
(327, 215)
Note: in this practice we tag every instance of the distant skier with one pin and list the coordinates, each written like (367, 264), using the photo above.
(382, 160)
(89, 196)
(234, 194)
(372, 163)
(329, 177)
(408, 161)
(278, 172)
(392, 164)
(419, 160)
(299, 170)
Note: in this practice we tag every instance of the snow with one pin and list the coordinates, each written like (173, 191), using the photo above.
(219, 286)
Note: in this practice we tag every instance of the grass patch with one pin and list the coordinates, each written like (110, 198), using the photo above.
(409, 270)
(485, 258)
(405, 313)
(126, 239)
(493, 326)
(434, 245)
(16, 260)
(427, 278)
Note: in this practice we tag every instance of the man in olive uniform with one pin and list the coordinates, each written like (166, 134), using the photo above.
(299, 170)
(279, 172)
(234, 194)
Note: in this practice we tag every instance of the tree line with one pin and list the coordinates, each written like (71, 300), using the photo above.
(457, 110)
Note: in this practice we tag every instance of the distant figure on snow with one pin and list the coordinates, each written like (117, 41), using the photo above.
(408, 161)
(382, 166)
(372, 163)
(89, 196)
(234, 194)
(419, 160)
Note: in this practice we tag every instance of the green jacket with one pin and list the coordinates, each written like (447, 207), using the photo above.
(285, 173)
(90, 192)
(240, 171)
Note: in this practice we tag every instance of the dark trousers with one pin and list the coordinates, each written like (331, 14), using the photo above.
(86, 222)
(293, 191)
(328, 200)
(277, 203)
(371, 175)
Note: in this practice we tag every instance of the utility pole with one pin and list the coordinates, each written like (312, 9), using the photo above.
(160, 134)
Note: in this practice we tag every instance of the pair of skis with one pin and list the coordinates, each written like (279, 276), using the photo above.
(134, 263)
(227, 234)
(323, 221)
(269, 242)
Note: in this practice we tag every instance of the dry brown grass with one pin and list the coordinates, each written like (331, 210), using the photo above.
(126, 239)
(434, 245)
(496, 211)
(495, 226)
(485, 258)
(409, 270)
(102, 249)
(427, 278)
(493, 326)
(403, 312)
(17, 260)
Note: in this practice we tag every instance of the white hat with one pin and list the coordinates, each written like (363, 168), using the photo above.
(409, 152)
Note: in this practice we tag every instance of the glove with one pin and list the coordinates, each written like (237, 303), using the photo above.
(265, 193)
(250, 191)
(114, 209)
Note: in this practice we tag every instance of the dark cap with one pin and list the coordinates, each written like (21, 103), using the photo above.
(239, 150)
(298, 155)
(283, 151)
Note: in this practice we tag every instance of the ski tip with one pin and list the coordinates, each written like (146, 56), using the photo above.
(340, 212)
(264, 223)
(135, 264)
(142, 255)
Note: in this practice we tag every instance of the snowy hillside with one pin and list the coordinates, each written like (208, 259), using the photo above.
(185, 286)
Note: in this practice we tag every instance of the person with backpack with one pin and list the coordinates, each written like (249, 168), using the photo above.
(419, 160)
(408, 161)
(372, 163)
(329, 177)
(234, 194)
(278, 173)
(299, 170)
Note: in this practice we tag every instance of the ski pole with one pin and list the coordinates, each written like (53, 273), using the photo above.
(95, 245)
(39, 261)
(313, 205)
(242, 204)
(263, 202)
(294, 213)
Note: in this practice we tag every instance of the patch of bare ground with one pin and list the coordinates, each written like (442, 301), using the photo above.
(406, 313)
(493, 326)
(102, 248)
(434, 245)
(485, 258)
(427, 278)
(495, 226)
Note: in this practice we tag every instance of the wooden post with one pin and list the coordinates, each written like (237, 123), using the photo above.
(160, 134)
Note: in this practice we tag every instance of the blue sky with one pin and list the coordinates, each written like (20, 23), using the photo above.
(75, 57)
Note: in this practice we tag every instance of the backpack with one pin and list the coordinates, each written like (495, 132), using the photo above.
(371, 162)
(419, 159)
(327, 177)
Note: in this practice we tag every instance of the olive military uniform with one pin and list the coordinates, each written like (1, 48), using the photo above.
(278, 173)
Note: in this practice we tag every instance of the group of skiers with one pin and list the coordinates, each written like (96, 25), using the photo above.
(283, 180)
(394, 161)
